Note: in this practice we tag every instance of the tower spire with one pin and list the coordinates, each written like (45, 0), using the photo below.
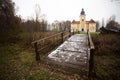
(82, 12)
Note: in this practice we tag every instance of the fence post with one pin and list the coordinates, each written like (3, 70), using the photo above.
(87, 31)
(62, 37)
(78, 31)
(91, 62)
(69, 33)
(36, 51)
(73, 31)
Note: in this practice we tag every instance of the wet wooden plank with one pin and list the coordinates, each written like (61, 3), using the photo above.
(74, 51)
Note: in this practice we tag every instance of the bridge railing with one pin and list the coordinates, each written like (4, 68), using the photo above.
(91, 56)
(48, 42)
(75, 32)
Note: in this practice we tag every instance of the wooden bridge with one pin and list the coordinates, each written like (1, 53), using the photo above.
(75, 54)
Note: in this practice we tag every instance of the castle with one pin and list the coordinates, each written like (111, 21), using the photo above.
(83, 25)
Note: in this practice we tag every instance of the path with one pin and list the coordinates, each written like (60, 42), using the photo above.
(73, 54)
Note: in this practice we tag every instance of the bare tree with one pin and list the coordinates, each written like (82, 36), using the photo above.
(103, 22)
(112, 24)
(41, 23)
(37, 16)
(97, 25)
(68, 25)
(37, 11)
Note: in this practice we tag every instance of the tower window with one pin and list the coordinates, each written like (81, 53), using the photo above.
(82, 19)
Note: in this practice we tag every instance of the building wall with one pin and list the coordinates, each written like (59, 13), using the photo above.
(92, 27)
(74, 27)
(87, 26)
(77, 27)
(82, 22)
(83, 26)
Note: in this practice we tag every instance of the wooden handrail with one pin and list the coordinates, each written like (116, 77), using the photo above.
(91, 56)
(37, 42)
(67, 35)
(91, 45)
(46, 37)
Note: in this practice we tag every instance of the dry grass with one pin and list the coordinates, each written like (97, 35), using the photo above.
(107, 56)
(17, 62)
(27, 38)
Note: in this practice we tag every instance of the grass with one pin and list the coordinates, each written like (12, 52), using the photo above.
(107, 57)
(14, 62)
(92, 33)
(17, 62)
(44, 75)
(83, 32)
(27, 37)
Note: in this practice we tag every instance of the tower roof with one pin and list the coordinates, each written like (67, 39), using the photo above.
(82, 12)
(75, 22)
(91, 21)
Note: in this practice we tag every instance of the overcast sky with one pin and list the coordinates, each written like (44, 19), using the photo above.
(70, 9)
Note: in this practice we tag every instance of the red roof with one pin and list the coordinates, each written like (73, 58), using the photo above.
(87, 22)
(75, 22)
(91, 21)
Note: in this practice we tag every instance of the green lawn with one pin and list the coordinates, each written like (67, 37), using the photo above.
(93, 33)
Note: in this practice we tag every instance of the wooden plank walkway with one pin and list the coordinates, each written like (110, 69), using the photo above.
(73, 54)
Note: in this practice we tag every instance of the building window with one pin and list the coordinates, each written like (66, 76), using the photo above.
(82, 19)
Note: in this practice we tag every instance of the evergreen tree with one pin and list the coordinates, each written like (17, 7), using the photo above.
(8, 21)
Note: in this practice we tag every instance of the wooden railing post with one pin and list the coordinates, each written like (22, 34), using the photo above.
(87, 32)
(91, 62)
(73, 31)
(69, 33)
(36, 51)
(36, 46)
(78, 31)
(62, 37)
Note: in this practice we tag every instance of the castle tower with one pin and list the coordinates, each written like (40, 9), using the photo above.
(82, 20)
